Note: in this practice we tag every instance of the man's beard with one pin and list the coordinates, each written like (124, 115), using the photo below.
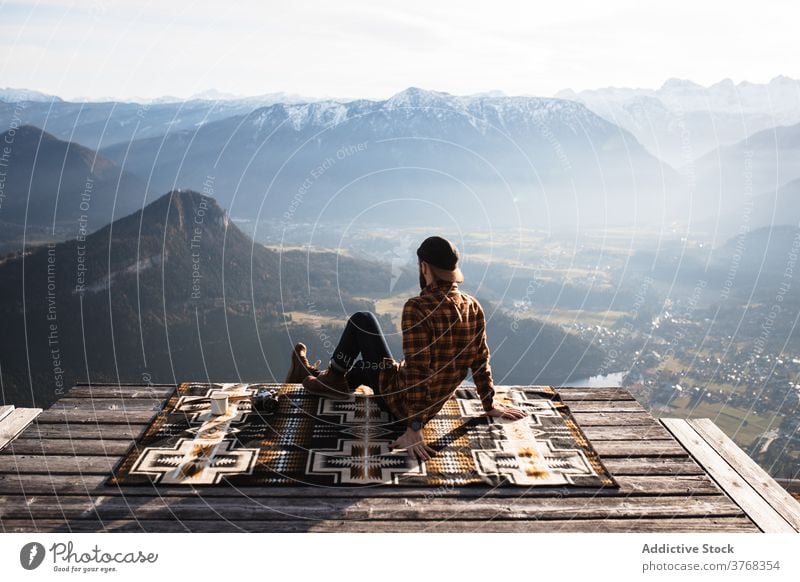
(422, 282)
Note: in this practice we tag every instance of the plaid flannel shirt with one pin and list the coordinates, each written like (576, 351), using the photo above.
(444, 336)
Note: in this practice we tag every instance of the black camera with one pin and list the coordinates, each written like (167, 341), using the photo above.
(266, 400)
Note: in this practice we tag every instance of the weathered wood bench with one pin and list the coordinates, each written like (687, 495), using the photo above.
(13, 421)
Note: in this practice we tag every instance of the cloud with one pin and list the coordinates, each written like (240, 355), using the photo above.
(375, 48)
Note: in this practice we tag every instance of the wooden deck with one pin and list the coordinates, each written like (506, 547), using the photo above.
(52, 479)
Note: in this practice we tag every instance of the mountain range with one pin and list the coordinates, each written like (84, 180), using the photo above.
(682, 120)
(418, 157)
(425, 157)
(101, 123)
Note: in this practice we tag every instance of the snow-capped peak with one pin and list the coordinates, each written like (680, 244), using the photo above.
(416, 97)
(12, 95)
(482, 111)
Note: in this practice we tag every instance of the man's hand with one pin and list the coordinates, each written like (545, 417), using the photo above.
(412, 441)
(503, 411)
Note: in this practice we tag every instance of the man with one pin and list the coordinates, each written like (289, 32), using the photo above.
(444, 336)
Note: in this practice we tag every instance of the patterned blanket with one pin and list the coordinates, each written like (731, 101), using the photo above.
(310, 440)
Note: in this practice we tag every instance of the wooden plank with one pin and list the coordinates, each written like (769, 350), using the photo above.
(163, 391)
(42, 484)
(82, 391)
(116, 447)
(605, 406)
(142, 507)
(638, 448)
(5, 411)
(624, 433)
(614, 401)
(118, 404)
(144, 404)
(568, 394)
(123, 385)
(780, 499)
(33, 446)
(63, 464)
(80, 416)
(15, 422)
(614, 419)
(756, 508)
(677, 525)
(123, 403)
(653, 466)
(133, 431)
(77, 464)
(84, 431)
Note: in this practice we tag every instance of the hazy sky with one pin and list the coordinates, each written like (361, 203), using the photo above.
(374, 48)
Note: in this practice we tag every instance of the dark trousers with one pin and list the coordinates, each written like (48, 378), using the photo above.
(362, 335)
